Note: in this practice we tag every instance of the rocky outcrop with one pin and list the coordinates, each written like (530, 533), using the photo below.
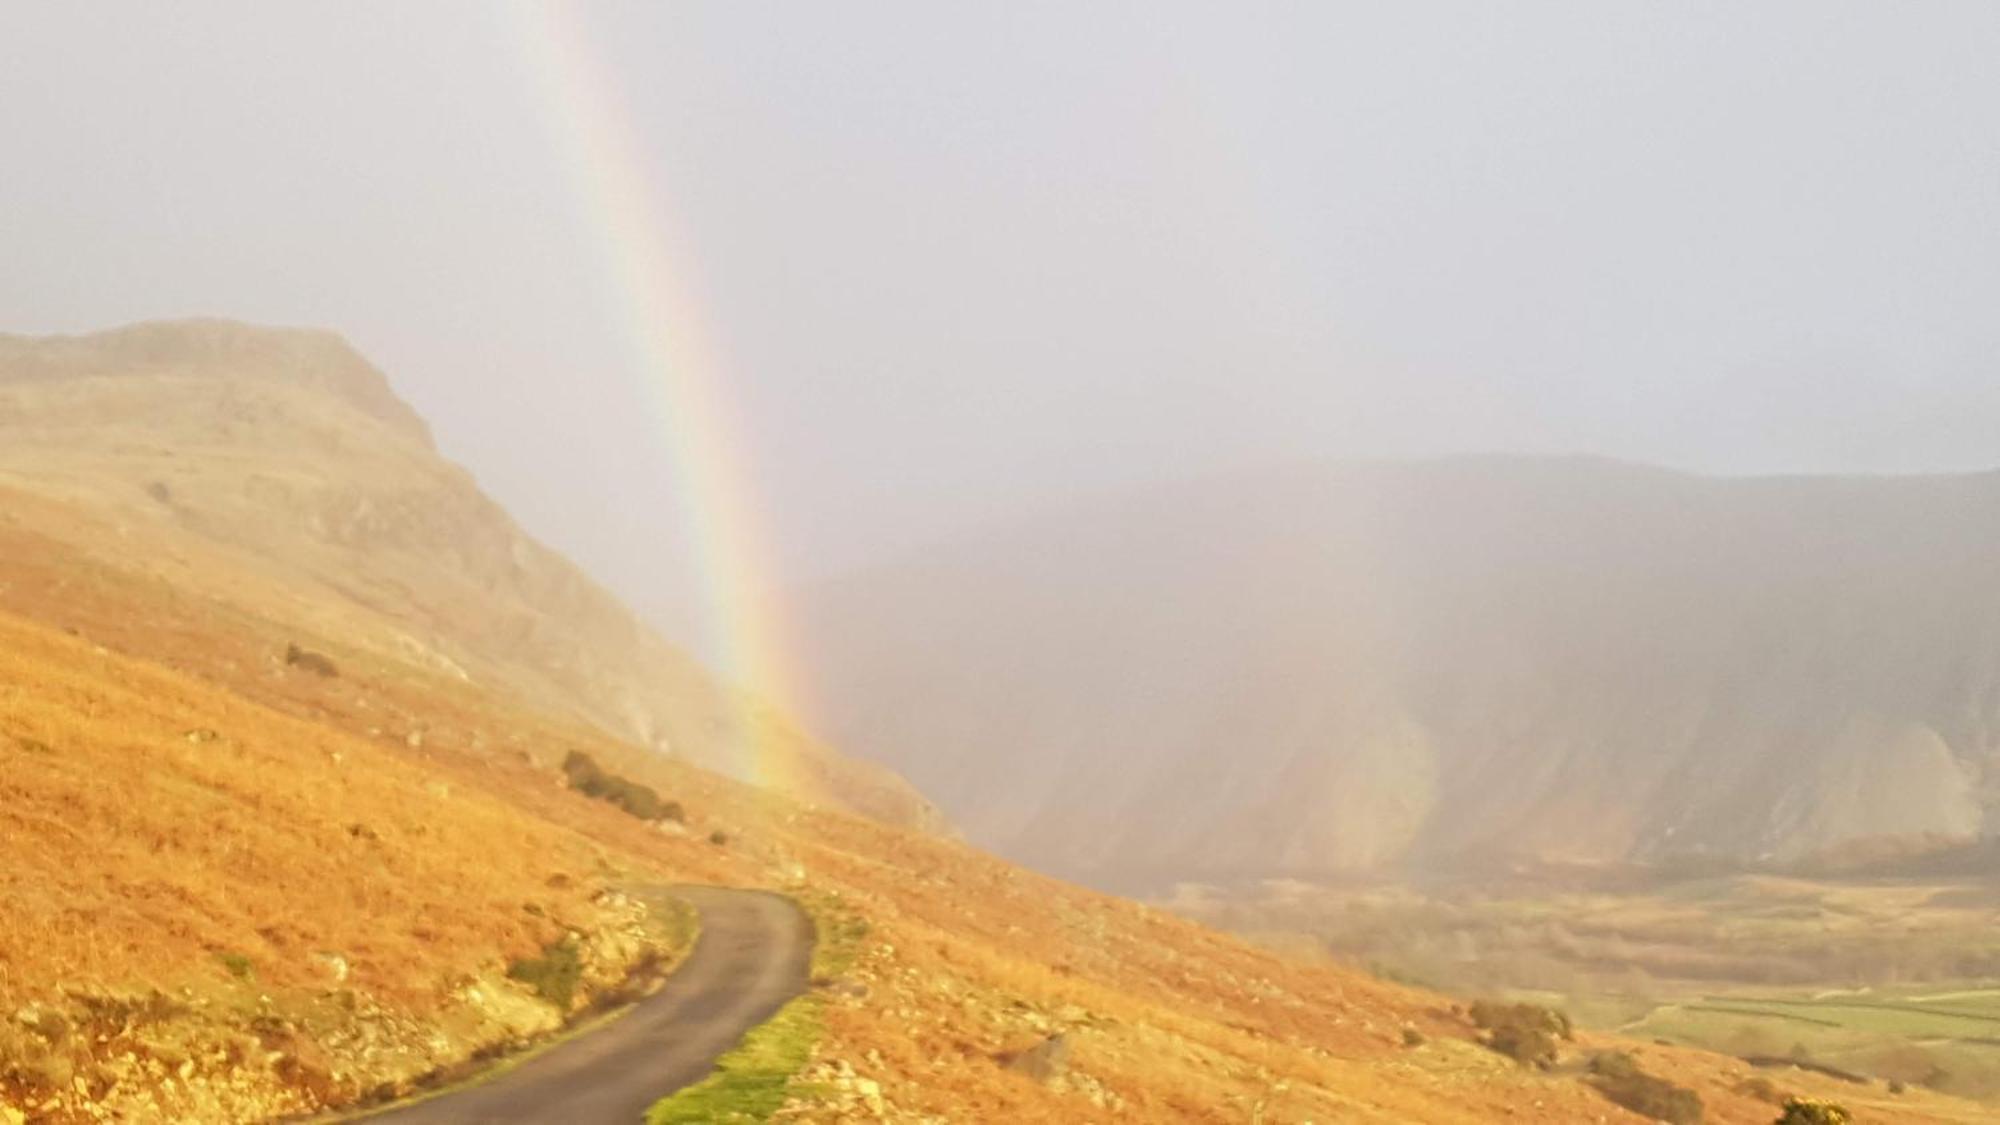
(309, 358)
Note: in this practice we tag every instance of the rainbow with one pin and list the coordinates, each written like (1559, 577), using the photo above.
(684, 380)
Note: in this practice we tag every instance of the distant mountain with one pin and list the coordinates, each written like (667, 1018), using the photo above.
(288, 450)
(1344, 667)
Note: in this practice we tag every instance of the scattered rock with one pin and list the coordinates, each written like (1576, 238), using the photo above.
(1045, 1061)
(319, 664)
(871, 1094)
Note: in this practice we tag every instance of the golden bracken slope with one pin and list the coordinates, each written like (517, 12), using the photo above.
(240, 889)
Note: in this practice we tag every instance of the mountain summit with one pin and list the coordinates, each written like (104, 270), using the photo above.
(223, 449)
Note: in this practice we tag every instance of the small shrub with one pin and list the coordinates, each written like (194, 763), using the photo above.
(553, 975)
(237, 965)
(587, 777)
(1652, 1097)
(1413, 1038)
(1613, 1064)
(718, 837)
(1529, 1045)
(1810, 1111)
(319, 664)
(1526, 1033)
(1896, 1086)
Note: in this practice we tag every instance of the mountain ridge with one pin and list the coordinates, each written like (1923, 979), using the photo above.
(288, 449)
(1374, 664)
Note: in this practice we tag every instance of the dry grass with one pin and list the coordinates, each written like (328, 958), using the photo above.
(156, 823)
(137, 856)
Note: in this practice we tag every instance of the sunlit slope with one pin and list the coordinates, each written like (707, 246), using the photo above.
(265, 895)
(1340, 667)
(220, 448)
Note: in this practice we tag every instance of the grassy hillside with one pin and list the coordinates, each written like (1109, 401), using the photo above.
(275, 469)
(244, 889)
(288, 824)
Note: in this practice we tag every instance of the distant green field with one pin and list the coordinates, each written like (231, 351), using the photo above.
(1897, 979)
(1943, 1038)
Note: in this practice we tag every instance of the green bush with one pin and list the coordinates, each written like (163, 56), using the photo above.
(1810, 1111)
(1652, 1097)
(553, 975)
(1530, 1045)
(587, 777)
(1525, 1033)
(1613, 1064)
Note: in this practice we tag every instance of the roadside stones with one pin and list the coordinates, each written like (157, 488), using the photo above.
(871, 1094)
(848, 989)
(335, 965)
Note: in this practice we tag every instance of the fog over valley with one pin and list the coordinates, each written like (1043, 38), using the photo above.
(593, 561)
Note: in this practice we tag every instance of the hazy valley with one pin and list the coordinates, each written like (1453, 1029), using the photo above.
(1377, 667)
(245, 884)
(707, 563)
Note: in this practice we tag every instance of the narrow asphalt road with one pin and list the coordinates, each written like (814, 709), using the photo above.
(752, 956)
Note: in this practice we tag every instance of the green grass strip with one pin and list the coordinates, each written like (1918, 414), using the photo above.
(755, 1079)
(752, 1081)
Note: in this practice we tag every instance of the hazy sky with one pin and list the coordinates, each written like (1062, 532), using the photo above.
(962, 260)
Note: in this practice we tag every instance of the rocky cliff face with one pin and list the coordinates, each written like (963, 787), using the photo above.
(1350, 667)
(287, 448)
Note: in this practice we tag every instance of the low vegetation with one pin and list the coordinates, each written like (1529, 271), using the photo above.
(587, 777)
(1806, 1111)
(1526, 1033)
(554, 974)
(318, 663)
(1888, 979)
(378, 882)
(1618, 1076)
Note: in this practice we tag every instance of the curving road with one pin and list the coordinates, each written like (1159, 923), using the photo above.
(752, 956)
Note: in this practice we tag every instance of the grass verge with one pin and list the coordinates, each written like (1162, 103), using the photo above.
(755, 1079)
